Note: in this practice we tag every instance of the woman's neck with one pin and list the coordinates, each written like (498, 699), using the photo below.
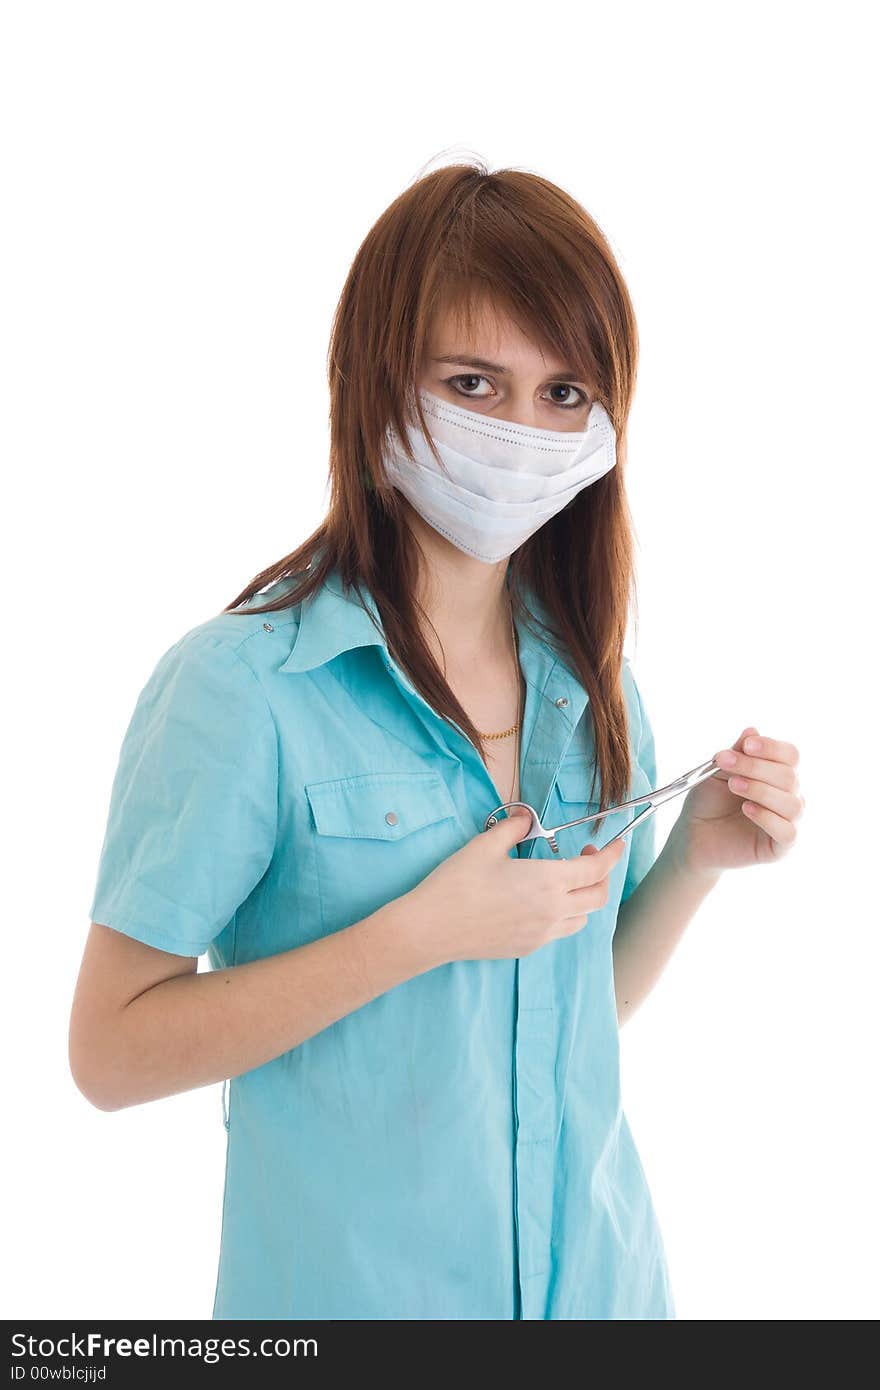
(466, 605)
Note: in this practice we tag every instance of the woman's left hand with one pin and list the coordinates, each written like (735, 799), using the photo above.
(746, 813)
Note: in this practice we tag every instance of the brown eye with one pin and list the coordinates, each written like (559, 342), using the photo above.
(580, 400)
(468, 379)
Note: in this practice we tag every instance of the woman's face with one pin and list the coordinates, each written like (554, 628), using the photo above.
(500, 372)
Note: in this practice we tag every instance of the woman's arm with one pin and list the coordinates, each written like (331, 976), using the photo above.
(652, 921)
(716, 830)
(146, 1023)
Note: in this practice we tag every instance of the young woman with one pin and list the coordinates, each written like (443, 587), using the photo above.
(419, 1015)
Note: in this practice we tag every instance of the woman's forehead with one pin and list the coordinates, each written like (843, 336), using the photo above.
(489, 333)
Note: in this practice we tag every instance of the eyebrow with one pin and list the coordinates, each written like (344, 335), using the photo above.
(487, 366)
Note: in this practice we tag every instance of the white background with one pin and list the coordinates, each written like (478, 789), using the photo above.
(185, 186)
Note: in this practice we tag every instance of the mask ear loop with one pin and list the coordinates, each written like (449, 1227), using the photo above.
(223, 1090)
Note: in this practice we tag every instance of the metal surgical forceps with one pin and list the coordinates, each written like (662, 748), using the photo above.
(655, 799)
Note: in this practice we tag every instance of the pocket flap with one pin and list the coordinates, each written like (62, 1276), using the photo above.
(573, 783)
(379, 805)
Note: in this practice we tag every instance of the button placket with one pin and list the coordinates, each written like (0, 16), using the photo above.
(537, 1029)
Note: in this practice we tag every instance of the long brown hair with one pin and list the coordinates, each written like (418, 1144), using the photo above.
(458, 236)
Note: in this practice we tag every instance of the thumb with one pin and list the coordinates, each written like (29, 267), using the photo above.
(510, 828)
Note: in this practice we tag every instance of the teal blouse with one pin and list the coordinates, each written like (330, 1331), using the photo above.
(456, 1148)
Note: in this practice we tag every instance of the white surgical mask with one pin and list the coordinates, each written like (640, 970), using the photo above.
(504, 480)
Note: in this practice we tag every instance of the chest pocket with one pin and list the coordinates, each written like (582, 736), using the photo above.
(572, 801)
(377, 835)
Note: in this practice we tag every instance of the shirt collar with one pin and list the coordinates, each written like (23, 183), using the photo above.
(332, 622)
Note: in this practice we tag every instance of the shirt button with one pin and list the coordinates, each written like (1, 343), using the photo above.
(391, 817)
(267, 627)
(562, 702)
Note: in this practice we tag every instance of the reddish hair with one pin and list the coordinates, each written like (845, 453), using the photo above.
(460, 236)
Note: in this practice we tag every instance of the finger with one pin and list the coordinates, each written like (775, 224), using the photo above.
(781, 830)
(784, 803)
(586, 869)
(509, 829)
(582, 900)
(749, 732)
(776, 774)
(776, 749)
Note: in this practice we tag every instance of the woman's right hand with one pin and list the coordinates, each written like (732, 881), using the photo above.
(480, 903)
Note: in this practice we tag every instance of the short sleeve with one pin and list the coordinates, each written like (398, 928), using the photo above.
(194, 804)
(643, 840)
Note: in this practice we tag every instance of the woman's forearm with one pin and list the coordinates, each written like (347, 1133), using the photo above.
(198, 1028)
(204, 1026)
(651, 923)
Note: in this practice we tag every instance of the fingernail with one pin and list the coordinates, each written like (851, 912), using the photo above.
(727, 758)
(752, 745)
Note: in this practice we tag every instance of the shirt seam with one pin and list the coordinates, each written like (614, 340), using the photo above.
(233, 650)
